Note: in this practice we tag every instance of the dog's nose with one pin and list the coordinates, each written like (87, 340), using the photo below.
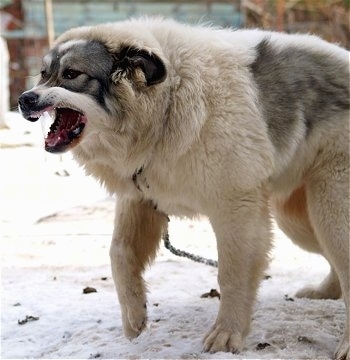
(27, 100)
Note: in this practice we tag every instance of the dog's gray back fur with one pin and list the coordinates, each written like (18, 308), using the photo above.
(298, 85)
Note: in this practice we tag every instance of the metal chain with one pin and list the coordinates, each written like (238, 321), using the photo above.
(185, 254)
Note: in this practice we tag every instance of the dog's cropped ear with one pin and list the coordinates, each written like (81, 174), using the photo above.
(131, 60)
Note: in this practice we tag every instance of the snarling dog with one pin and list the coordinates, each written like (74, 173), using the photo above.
(193, 120)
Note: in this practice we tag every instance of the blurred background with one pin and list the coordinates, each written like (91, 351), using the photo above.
(27, 27)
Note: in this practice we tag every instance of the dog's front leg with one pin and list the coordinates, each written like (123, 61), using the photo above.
(137, 232)
(242, 229)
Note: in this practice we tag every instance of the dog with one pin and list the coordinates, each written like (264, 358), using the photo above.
(238, 125)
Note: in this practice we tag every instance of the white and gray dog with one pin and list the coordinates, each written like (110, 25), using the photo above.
(186, 120)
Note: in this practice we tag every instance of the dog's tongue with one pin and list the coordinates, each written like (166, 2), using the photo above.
(57, 137)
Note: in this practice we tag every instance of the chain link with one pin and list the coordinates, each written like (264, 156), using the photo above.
(185, 254)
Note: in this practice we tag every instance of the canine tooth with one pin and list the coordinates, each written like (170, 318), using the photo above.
(52, 113)
(76, 131)
(46, 120)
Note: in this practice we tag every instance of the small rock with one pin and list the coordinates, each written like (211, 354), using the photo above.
(262, 346)
(304, 339)
(89, 290)
(212, 293)
(27, 319)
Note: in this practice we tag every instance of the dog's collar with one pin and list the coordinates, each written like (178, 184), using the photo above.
(135, 175)
(140, 183)
(136, 180)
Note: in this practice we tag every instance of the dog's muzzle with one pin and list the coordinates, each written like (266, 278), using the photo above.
(27, 104)
(67, 125)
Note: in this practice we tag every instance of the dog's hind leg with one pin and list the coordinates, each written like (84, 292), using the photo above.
(327, 193)
(137, 232)
(292, 216)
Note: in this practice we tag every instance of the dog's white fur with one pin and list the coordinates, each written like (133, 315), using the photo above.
(204, 147)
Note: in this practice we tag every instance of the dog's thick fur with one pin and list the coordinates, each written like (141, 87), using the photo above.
(230, 124)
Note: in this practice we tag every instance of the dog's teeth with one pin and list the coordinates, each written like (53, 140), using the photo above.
(46, 121)
(76, 131)
(52, 113)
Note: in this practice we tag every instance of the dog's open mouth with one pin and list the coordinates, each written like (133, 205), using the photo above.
(66, 129)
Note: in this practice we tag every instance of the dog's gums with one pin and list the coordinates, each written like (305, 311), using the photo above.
(67, 127)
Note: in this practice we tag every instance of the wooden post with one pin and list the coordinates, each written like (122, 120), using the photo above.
(50, 28)
(280, 14)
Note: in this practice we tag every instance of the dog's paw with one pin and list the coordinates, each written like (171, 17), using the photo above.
(134, 321)
(311, 292)
(343, 351)
(223, 339)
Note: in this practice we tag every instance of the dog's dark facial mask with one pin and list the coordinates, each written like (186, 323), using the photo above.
(79, 66)
(88, 68)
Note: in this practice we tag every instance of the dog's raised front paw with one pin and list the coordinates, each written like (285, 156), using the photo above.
(223, 339)
(134, 320)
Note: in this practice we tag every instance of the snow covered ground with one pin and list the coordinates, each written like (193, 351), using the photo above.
(55, 239)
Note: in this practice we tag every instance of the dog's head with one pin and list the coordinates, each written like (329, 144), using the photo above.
(89, 78)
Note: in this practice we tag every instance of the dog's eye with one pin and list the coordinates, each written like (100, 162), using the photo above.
(43, 74)
(71, 74)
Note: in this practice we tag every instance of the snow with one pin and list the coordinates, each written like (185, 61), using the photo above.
(56, 232)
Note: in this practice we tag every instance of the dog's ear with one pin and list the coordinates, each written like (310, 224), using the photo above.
(130, 61)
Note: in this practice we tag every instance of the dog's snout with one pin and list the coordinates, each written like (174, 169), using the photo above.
(27, 100)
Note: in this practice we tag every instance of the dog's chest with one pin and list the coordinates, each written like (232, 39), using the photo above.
(167, 192)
